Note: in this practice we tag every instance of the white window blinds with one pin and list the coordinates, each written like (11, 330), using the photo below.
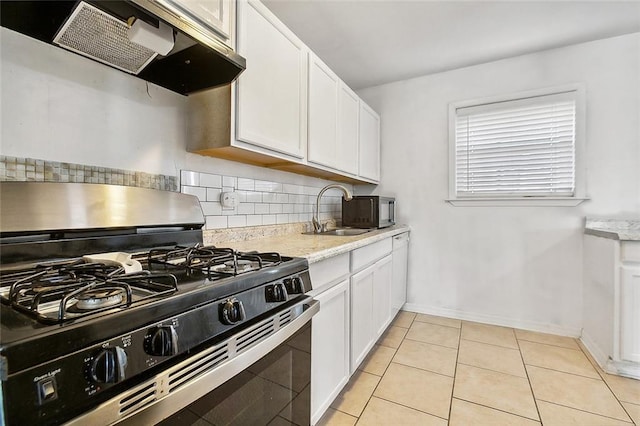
(520, 148)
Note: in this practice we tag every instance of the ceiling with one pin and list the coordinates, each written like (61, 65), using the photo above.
(368, 43)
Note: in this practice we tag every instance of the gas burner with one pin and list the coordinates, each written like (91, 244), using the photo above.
(99, 298)
(236, 267)
(63, 292)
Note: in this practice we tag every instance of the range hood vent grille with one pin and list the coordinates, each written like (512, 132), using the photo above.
(98, 30)
(93, 33)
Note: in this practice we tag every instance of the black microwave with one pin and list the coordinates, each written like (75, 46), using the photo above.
(368, 211)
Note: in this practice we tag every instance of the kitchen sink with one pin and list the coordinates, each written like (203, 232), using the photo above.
(343, 232)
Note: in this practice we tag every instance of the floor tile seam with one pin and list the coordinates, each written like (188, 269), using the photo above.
(494, 408)
(566, 372)
(494, 371)
(601, 373)
(455, 374)
(343, 412)
(421, 369)
(431, 343)
(490, 344)
(435, 323)
(377, 384)
(395, 351)
(549, 344)
(409, 407)
(589, 412)
(526, 372)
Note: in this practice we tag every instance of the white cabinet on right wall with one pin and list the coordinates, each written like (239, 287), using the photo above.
(369, 155)
(611, 303)
(630, 311)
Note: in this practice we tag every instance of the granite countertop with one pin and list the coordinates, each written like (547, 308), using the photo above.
(313, 247)
(616, 229)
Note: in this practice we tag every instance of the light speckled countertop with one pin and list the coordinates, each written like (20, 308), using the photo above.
(313, 247)
(616, 229)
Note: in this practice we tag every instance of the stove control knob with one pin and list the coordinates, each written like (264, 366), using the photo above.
(161, 341)
(294, 285)
(232, 312)
(275, 293)
(108, 365)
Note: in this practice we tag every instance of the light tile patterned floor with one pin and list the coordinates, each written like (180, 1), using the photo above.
(428, 370)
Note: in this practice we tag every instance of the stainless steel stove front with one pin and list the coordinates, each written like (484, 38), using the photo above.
(269, 362)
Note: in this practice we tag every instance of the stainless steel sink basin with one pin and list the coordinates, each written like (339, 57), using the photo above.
(343, 232)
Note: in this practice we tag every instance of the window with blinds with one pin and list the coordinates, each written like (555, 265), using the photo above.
(517, 148)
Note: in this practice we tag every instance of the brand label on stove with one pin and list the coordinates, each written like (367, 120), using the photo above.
(126, 341)
(46, 376)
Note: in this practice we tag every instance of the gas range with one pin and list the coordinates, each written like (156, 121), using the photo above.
(82, 326)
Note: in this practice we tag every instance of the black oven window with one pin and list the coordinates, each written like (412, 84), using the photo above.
(273, 391)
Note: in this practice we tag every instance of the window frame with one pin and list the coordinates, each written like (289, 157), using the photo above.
(579, 194)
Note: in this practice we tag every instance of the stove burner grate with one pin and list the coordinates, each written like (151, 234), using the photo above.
(64, 292)
(214, 262)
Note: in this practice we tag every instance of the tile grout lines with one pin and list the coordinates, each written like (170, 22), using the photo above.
(452, 398)
(524, 365)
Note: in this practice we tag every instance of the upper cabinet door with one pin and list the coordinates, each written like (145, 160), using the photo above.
(348, 116)
(272, 92)
(215, 14)
(323, 117)
(369, 155)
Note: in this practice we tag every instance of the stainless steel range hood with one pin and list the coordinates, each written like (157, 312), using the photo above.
(198, 60)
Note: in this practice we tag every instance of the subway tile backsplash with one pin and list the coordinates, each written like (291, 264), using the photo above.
(36, 170)
(261, 202)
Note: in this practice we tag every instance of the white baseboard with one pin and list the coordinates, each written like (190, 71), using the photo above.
(494, 320)
(598, 354)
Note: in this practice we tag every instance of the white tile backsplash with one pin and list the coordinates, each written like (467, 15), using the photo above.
(199, 192)
(261, 202)
(237, 221)
(210, 181)
(189, 178)
(246, 184)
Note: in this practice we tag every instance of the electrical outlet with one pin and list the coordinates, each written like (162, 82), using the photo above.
(229, 200)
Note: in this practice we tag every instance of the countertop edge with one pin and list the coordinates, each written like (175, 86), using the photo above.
(370, 238)
(619, 235)
(314, 248)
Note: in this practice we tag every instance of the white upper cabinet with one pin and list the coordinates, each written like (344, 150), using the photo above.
(369, 156)
(348, 128)
(289, 110)
(323, 117)
(272, 91)
(214, 14)
(333, 120)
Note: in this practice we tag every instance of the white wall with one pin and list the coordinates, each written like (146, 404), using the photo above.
(507, 265)
(59, 106)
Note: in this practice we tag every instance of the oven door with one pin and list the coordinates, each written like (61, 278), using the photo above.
(273, 390)
(257, 376)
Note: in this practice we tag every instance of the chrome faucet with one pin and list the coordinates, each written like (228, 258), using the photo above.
(317, 226)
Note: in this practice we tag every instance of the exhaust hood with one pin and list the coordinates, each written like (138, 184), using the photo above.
(141, 37)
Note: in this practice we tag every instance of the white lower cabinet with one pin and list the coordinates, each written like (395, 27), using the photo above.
(370, 308)
(354, 290)
(382, 277)
(330, 353)
(399, 284)
(361, 315)
(630, 314)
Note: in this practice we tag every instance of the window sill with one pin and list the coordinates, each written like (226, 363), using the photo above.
(517, 202)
